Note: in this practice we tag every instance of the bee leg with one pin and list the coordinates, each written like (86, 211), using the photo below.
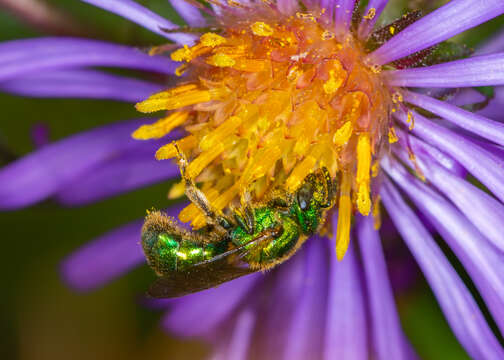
(245, 218)
(198, 198)
(330, 187)
(279, 199)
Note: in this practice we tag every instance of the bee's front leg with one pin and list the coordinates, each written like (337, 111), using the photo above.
(245, 218)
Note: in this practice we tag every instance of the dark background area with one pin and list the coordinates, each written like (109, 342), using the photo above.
(40, 318)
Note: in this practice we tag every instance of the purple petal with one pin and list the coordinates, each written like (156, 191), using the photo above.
(308, 318)
(482, 261)
(346, 328)
(287, 7)
(476, 71)
(104, 259)
(287, 286)
(46, 171)
(127, 172)
(81, 84)
(241, 336)
(343, 15)
(480, 208)
(483, 210)
(407, 140)
(494, 45)
(489, 129)
(201, 313)
(388, 338)
(443, 23)
(495, 109)
(143, 17)
(18, 58)
(484, 165)
(466, 96)
(367, 25)
(329, 6)
(189, 13)
(456, 302)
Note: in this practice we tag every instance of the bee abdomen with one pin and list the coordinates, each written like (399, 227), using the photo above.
(169, 247)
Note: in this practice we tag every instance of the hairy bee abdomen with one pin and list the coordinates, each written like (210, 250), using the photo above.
(168, 247)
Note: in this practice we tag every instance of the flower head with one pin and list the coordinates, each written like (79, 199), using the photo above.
(271, 92)
(266, 102)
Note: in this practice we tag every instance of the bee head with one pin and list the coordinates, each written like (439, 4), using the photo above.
(315, 195)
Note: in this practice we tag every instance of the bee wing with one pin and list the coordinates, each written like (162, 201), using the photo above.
(198, 278)
(207, 274)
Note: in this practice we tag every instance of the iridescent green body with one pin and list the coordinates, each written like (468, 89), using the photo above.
(169, 252)
(266, 218)
(260, 236)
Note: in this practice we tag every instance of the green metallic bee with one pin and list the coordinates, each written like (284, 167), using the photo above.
(259, 236)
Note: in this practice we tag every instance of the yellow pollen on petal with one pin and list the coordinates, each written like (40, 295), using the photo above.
(260, 28)
(375, 168)
(306, 16)
(376, 69)
(233, 3)
(392, 136)
(161, 127)
(397, 97)
(344, 216)
(392, 30)
(410, 120)
(370, 14)
(328, 35)
(418, 171)
(377, 213)
(179, 71)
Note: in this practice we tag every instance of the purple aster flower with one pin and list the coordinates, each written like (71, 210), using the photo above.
(313, 306)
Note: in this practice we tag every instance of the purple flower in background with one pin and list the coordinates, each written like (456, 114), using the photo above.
(313, 306)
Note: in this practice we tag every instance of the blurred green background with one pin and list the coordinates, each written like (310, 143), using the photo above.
(42, 319)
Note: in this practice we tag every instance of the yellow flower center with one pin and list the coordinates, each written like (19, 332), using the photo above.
(267, 102)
